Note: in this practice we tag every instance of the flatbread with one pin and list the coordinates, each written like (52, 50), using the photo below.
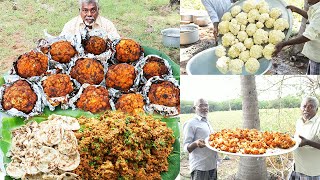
(69, 144)
(69, 163)
(47, 159)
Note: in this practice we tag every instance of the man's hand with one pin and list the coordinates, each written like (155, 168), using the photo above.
(303, 142)
(201, 143)
(292, 8)
(278, 48)
(215, 33)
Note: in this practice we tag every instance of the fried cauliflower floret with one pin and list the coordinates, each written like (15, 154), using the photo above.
(223, 27)
(244, 56)
(276, 36)
(87, 70)
(235, 10)
(95, 45)
(275, 13)
(120, 76)
(253, 15)
(19, 95)
(128, 50)
(269, 23)
(164, 93)
(223, 64)
(268, 50)
(130, 103)
(227, 39)
(242, 18)
(252, 65)
(248, 43)
(281, 24)
(226, 16)
(256, 51)
(259, 25)
(94, 99)
(234, 27)
(251, 29)
(220, 51)
(260, 37)
(263, 17)
(32, 64)
(57, 85)
(154, 67)
(236, 66)
(248, 5)
(62, 51)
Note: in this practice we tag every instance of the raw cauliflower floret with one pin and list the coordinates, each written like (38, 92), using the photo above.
(242, 18)
(235, 41)
(253, 15)
(223, 64)
(264, 9)
(263, 17)
(251, 29)
(275, 13)
(220, 51)
(268, 50)
(281, 24)
(240, 46)
(248, 43)
(252, 65)
(269, 22)
(227, 39)
(235, 10)
(259, 25)
(234, 27)
(244, 56)
(260, 36)
(233, 52)
(248, 5)
(261, 3)
(256, 51)
(235, 66)
(276, 36)
(226, 16)
(242, 35)
(243, 27)
(223, 27)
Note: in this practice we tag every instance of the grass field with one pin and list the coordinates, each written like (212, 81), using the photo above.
(141, 20)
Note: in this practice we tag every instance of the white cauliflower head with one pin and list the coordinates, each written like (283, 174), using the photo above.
(248, 43)
(240, 46)
(242, 35)
(223, 64)
(243, 27)
(253, 15)
(281, 24)
(260, 36)
(263, 17)
(244, 56)
(220, 51)
(235, 10)
(256, 51)
(248, 5)
(252, 65)
(276, 36)
(275, 13)
(234, 27)
(226, 16)
(264, 9)
(259, 25)
(235, 66)
(227, 39)
(261, 3)
(242, 18)
(268, 50)
(251, 29)
(233, 52)
(269, 22)
(223, 27)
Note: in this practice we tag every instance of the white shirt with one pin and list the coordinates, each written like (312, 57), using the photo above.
(216, 8)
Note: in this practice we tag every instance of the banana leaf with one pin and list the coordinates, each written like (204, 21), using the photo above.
(9, 123)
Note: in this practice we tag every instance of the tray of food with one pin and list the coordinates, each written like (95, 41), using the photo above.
(251, 142)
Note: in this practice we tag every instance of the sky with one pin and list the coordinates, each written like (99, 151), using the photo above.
(221, 88)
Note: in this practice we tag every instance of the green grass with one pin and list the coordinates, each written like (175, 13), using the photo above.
(141, 20)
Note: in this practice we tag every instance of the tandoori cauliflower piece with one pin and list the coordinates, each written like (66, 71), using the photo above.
(252, 65)
(128, 50)
(131, 103)
(32, 64)
(154, 67)
(62, 51)
(87, 70)
(120, 76)
(268, 50)
(256, 51)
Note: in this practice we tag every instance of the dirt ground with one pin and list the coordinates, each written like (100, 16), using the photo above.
(283, 64)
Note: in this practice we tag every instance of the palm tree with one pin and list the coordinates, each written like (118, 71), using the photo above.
(250, 168)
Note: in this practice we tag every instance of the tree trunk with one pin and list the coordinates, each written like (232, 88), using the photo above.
(250, 168)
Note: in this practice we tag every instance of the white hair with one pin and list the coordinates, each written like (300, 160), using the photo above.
(313, 100)
(88, 1)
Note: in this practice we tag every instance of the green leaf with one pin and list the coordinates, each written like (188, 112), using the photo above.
(174, 125)
(174, 167)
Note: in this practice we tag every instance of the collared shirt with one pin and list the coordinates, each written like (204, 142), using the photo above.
(202, 159)
(76, 24)
(307, 158)
(216, 8)
(312, 32)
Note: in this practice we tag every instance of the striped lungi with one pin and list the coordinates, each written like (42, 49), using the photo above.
(313, 68)
(204, 175)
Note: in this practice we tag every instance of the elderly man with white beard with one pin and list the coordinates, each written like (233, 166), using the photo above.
(202, 160)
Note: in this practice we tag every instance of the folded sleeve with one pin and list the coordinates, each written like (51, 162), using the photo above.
(188, 135)
(312, 31)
